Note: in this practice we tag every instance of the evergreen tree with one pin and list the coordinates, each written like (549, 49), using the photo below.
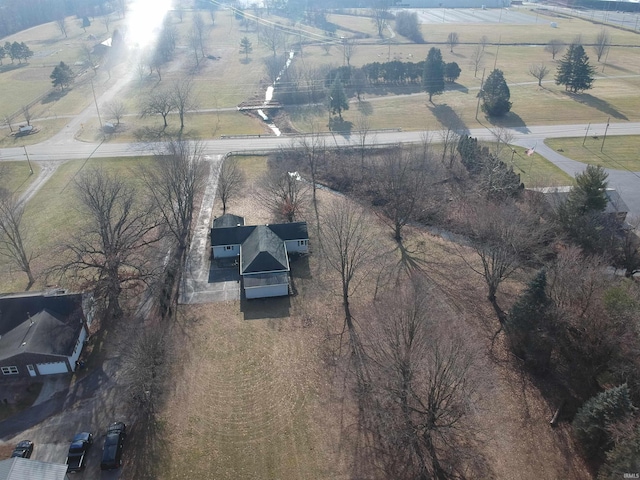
(589, 194)
(62, 76)
(452, 71)
(599, 412)
(23, 52)
(433, 75)
(528, 324)
(337, 98)
(624, 457)
(3, 53)
(246, 47)
(574, 70)
(495, 95)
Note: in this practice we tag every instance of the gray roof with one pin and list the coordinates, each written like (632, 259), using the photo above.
(24, 468)
(263, 251)
(16, 308)
(264, 279)
(228, 220)
(236, 235)
(43, 333)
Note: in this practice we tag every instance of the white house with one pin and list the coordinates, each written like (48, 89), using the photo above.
(262, 251)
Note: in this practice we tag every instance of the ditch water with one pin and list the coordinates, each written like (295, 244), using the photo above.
(268, 96)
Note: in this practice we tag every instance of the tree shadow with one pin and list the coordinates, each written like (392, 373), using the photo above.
(597, 103)
(156, 133)
(620, 69)
(510, 120)
(391, 89)
(54, 96)
(365, 108)
(456, 87)
(245, 61)
(11, 66)
(341, 126)
(448, 118)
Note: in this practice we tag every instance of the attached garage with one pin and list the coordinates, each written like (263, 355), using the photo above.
(266, 285)
(52, 368)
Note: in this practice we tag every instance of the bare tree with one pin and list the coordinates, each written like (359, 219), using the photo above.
(453, 40)
(422, 374)
(182, 98)
(484, 41)
(110, 251)
(272, 36)
(348, 245)
(61, 23)
(86, 52)
(194, 43)
(116, 110)
(158, 102)
(145, 368)
(365, 140)
(326, 46)
(400, 182)
(477, 57)
(199, 30)
(106, 21)
(504, 137)
(273, 66)
(284, 193)
(14, 236)
(554, 47)
(602, 43)
(379, 14)
(313, 149)
(538, 71)
(504, 237)
(27, 114)
(231, 181)
(176, 180)
(349, 47)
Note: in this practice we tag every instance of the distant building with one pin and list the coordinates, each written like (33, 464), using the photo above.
(454, 3)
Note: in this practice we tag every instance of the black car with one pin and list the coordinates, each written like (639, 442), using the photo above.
(113, 444)
(77, 451)
(24, 449)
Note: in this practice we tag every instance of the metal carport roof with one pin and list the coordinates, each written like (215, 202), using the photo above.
(23, 468)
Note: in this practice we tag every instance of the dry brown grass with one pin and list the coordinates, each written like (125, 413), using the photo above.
(264, 398)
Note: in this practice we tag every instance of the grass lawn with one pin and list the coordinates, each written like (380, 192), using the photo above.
(52, 215)
(618, 153)
(15, 177)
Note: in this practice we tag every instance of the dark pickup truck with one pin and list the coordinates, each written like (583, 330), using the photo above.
(77, 451)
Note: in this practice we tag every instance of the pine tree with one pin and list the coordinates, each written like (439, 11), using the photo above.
(433, 75)
(624, 457)
(246, 47)
(337, 98)
(591, 422)
(574, 70)
(452, 71)
(589, 193)
(528, 324)
(495, 95)
(62, 76)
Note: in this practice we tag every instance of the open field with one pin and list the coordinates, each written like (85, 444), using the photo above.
(51, 216)
(227, 80)
(255, 397)
(618, 153)
(15, 177)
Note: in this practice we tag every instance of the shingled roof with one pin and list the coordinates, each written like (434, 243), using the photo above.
(263, 251)
(43, 333)
(228, 220)
(16, 308)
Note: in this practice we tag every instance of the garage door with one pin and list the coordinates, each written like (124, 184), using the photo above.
(51, 368)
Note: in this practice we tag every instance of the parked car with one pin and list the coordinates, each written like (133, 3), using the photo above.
(24, 449)
(80, 445)
(113, 445)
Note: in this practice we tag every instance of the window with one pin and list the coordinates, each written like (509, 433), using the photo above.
(302, 242)
(229, 247)
(10, 370)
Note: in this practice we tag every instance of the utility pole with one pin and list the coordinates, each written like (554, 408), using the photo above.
(605, 134)
(480, 92)
(97, 110)
(585, 135)
(28, 161)
(497, 51)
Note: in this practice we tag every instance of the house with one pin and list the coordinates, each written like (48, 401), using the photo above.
(42, 333)
(556, 196)
(22, 468)
(262, 252)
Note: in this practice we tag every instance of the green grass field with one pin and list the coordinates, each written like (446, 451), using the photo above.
(617, 153)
